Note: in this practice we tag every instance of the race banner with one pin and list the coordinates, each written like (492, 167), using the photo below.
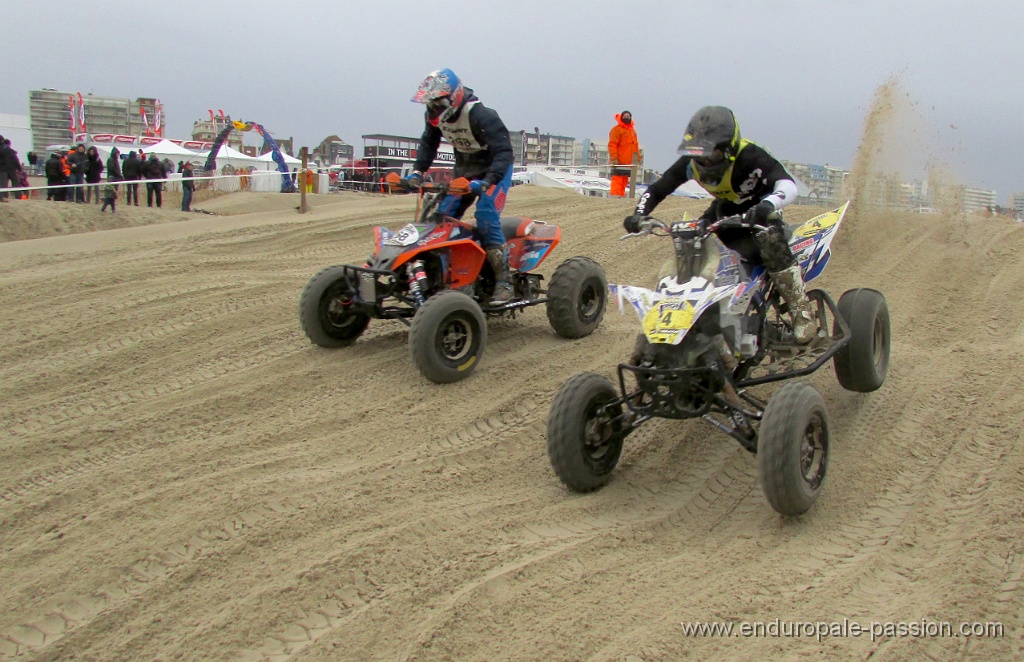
(81, 113)
(145, 120)
(157, 125)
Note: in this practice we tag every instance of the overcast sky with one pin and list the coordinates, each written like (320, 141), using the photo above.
(799, 74)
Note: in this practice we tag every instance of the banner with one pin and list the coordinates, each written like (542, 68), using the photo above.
(71, 111)
(158, 118)
(212, 120)
(81, 113)
(145, 120)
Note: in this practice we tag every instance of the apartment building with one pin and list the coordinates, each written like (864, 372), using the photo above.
(1017, 203)
(542, 148)
(50, 116)
(823, 182)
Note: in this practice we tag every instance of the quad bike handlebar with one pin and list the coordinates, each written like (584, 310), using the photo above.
(653, 226)
(435, 193)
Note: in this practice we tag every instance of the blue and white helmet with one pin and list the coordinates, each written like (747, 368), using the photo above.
(442, 92)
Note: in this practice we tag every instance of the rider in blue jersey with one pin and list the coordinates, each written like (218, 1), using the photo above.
(483, 154)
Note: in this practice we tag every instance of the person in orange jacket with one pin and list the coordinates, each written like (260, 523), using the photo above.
(622, 146)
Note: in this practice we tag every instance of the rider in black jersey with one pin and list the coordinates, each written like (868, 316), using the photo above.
(744, 179)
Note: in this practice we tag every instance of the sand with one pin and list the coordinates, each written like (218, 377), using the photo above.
(185, 476)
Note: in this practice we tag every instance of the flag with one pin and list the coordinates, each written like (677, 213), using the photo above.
(212, 120)
(145, 120)
(81, 113)
(71, 112)
(223, 119)
(159, 109)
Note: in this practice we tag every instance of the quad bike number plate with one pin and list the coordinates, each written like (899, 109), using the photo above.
(408, 235)
(667, 321)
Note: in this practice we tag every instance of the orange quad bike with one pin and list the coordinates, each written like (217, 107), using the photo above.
(433, 276)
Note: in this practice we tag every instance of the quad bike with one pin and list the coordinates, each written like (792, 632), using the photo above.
(714, 327)
(433, 276)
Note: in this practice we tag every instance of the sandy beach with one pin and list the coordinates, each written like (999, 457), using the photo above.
(185, 476)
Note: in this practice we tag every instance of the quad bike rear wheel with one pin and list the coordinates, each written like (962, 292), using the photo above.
(792, 448)
(326, 313)
(447, 337)
(863, 363)
(584, 439)
(576, 297)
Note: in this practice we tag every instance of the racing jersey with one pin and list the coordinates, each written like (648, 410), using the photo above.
(483, 149)
(754, 175)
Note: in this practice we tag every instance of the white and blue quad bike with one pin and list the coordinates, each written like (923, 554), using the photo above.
(714, 328)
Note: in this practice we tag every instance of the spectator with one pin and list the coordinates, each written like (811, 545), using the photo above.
(309, 180)
(24, 183)
(154, 171)
(93, 174)
(8, 167)
(77, 162)
(188, 186)
(33, 162)
(114, 166)
(109, 196)
(132, 172)
(169, 166)
(55, 177)
(622, 147)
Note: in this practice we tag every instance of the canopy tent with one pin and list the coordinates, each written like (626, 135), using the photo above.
(165, 149)
(168, 149)
(232, 157)
(266, 161)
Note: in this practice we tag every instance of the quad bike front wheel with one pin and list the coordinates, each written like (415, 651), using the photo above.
(326, 312)
(792, 448)
(584, 436)
(577, 297)
(447, 337)
(863, 363)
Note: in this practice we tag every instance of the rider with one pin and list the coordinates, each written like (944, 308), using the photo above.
(744, 179)
(483, 154)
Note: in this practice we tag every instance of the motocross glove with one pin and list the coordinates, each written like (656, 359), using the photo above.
(759, 214)
(633, 223)
(478, 186)
(413, 180)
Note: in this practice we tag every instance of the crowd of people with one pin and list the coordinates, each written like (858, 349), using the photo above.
(77, 175)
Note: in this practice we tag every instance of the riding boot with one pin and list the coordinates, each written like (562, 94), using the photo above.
(498, 258)
(790, 283)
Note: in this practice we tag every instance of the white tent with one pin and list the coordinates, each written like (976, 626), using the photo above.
(267, 161)
(232, 157)
(165, 148)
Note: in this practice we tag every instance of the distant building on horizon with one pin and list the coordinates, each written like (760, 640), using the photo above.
(207, 130)
(1016, 203)
(825, 183)
(332, 150)
(50, 117)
